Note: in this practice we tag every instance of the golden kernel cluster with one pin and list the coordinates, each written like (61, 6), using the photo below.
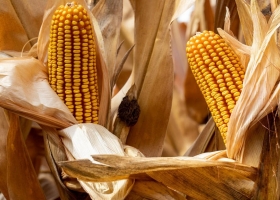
(218, 73)
(72, 62)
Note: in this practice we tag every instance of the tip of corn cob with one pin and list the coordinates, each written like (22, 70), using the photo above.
(72, 61)
(219, 74)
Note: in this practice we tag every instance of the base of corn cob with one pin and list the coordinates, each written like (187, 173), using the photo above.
(72, 61)
(219, 74)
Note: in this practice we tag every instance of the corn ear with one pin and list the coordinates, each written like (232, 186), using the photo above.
(72, 62)
(218, 73)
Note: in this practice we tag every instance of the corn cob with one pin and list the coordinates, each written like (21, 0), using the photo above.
(72, 62)
(218, 73)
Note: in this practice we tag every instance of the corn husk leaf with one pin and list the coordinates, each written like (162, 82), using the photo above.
(21, 177)
(243, 9)
(26, 91)
(83, 140)
(163, 170)
(150, 189)
(262, 72)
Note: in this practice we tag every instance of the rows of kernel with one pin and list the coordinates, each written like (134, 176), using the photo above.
(223, 75)
(74, 66)
(202, 66)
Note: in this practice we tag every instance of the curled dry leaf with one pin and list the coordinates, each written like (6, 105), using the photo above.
(219, 175)
(262, 72)
(25, 90)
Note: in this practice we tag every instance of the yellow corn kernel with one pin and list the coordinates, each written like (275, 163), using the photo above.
(222, 65)
(72, 61)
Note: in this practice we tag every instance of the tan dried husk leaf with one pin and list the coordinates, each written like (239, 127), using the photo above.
(260, 94)
(212, 170)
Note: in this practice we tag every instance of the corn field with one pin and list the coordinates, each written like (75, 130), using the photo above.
(162, 99)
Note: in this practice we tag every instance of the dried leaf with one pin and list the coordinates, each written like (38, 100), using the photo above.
(181, 130)
(54, 153)
(83, 140)
(154, 190)
(25, 89)
(154, 72)
(220, 15)
(108, 13)
(243, 9)
(204, 182)
(4, 128)
(22, 180)
(262, 73)
(199, 146)
(114, 167)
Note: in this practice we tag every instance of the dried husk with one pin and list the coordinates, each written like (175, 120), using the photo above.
(24, 89)
(151, 189)
(210, 175)
(260, 92)
(83, 140)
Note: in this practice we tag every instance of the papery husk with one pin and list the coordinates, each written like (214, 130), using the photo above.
(150, 189)
(102, 73)
(84, 140)
(55, 152)
(260, 93)
(24, 89)
(210, 175)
